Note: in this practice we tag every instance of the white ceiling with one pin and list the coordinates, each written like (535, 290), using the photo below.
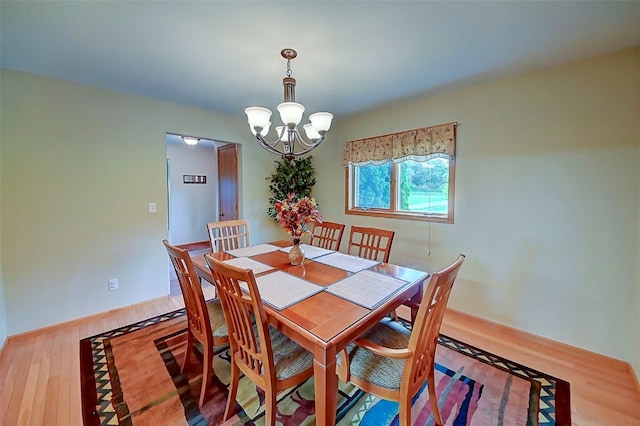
(352, 55)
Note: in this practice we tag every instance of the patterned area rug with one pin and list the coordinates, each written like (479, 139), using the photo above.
(131, 376)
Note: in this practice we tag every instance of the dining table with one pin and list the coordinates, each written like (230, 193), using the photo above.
(332, 299)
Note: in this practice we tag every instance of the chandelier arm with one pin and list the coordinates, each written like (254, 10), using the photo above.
(298, 140)
(263, 142)
(307, 150)
(274, 151)
(303, 143)
(270, 146)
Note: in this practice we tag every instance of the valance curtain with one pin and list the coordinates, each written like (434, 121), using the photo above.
(417, 144)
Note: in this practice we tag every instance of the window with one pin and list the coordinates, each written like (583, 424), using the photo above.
(407, 175)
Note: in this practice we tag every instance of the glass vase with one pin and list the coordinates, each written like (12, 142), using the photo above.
(296, 254)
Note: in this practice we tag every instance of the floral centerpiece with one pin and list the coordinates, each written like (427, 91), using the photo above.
(293, 215)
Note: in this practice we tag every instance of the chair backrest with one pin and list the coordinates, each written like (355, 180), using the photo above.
(370, 243)
(228, 234)
(327, 235)
(254, 356)
(426, 327)
(194, 302)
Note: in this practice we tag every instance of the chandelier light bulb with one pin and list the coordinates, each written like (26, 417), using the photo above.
(281, 133)
(291, 113)
(263, 132)
(311, 132)
(258, 117)
(321, 121)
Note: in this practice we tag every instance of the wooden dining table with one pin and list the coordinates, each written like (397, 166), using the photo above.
(325, 323)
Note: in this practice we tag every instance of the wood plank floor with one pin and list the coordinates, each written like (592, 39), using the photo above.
(40, 374)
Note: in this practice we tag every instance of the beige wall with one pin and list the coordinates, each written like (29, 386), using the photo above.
(635, 359)
(3, 311)
(79, 167)
(3, 314)
(547, 199)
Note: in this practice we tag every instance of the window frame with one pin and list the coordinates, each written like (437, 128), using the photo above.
(394, 212)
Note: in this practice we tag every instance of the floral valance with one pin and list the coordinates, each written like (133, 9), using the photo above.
(411, 144)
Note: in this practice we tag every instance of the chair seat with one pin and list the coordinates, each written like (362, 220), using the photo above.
(379, 370)
(216, 318)
(289, 358)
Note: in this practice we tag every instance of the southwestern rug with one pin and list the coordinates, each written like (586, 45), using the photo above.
(131, 376)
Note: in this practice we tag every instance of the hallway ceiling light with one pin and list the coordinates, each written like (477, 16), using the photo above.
(289, 143)
(190, 140)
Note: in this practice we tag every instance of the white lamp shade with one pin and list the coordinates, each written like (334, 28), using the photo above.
(290, 112)
(321, 121)
(258, 117)
(282, 135)
(311, 132)
(263, 132)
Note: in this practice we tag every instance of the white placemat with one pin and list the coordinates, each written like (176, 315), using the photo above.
(346, 262)
(282, 290)
(253, 250)
(247, 263)
(367, 288)
(310, 252)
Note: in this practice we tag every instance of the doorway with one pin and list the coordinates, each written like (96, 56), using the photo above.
(202, 187)
(198, 179)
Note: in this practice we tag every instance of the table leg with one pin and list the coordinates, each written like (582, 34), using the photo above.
(326, 387)
(415, 302)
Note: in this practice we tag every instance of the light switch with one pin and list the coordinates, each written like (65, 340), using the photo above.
(152, 208)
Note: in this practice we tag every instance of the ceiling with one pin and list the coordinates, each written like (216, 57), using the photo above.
(353, 56)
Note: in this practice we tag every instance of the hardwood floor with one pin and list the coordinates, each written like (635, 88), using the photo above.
(40, 377)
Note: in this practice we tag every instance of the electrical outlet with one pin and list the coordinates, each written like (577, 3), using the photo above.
(113, 284)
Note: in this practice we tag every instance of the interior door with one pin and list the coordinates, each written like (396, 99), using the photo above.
(228, 182)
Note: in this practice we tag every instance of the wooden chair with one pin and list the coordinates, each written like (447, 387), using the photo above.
(370, 243)
(393, 363)
(228, 234)
(327, 235)
(263, 354)
(206, 323)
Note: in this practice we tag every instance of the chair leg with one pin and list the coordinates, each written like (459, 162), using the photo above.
(233, 390)
(187, 352)
(270, 406)
(207, 370)
(404, 412)
(433, 399)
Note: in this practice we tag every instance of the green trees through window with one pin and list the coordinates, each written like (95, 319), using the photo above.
(374, 186)
(425, 186)
(410, 189)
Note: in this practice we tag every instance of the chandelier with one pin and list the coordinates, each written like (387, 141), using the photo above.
(289, 143)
